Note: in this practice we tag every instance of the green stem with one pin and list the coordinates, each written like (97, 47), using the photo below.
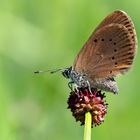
(87, 129)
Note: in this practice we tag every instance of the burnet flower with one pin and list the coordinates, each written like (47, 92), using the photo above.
(82, 100)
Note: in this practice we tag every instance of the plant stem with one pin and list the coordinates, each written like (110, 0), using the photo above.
(87, 129)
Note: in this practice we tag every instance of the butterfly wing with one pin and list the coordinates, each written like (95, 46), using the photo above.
(110, 49)
(119, 17)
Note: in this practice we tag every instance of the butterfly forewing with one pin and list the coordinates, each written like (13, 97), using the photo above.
(117, 58)
(119, 17)
(110, 49)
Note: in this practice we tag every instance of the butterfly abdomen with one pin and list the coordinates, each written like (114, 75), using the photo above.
(107, 84)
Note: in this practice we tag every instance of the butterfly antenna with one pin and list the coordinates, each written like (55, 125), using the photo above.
(51, 71)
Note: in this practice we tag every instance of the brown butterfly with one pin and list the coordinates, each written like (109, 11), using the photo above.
(109, 52)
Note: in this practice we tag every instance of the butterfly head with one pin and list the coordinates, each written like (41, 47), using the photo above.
(67, 72)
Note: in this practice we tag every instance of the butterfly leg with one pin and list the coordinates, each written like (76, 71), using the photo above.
(89, 87)
(70, 85)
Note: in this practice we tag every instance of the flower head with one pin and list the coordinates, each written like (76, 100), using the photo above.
(82, 100)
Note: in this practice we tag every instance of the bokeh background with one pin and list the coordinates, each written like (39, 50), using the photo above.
(47, 34)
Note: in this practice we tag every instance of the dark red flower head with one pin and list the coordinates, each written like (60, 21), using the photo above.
(81, 100)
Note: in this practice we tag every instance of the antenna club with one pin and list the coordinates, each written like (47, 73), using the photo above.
(36, 72)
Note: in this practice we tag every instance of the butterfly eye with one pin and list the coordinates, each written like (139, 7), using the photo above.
(65, 73)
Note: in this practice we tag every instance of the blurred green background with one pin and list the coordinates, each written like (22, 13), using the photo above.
(46, 34)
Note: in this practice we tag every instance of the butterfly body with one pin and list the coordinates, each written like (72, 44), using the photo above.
(109, 52)
(79, 79)
(82, 81)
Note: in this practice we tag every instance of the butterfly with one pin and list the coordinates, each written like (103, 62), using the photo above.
(109, 52)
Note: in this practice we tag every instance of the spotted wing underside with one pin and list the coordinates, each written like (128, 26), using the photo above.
(110, 50)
